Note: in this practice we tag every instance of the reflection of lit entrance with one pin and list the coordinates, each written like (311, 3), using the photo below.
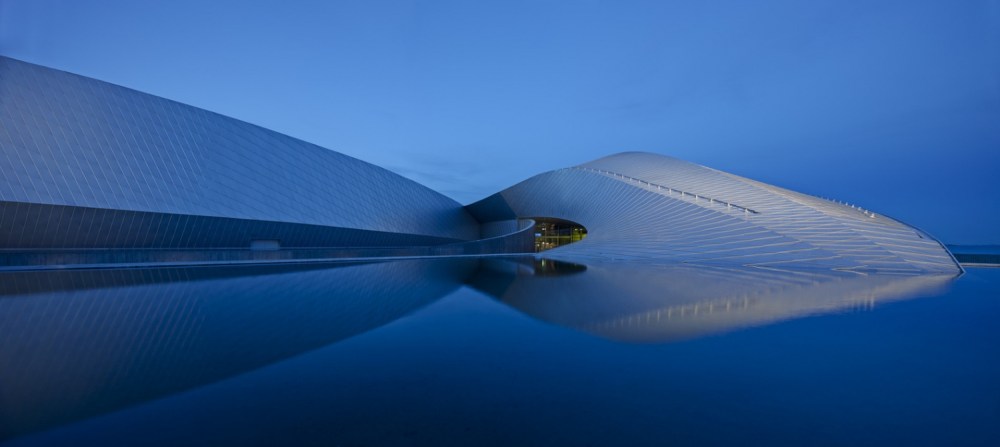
(551, 233)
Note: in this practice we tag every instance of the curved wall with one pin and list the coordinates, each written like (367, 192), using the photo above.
(77, 142)
(86, 164)
(650, 207)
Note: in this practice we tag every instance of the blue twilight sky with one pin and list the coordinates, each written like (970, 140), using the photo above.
(893, 105)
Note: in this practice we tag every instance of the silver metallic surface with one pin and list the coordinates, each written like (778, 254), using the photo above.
(641, 206)
(88, 145)
(85, 164)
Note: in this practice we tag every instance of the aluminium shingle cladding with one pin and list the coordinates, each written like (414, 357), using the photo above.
(79, 142)
(88, 164)
(650, 207)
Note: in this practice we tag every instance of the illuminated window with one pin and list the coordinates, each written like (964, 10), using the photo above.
(551, 233)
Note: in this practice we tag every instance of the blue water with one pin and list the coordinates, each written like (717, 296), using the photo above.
(517, 352)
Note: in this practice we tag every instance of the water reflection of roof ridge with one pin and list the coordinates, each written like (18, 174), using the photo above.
(868, 298)
(633, 301)
(44, 281)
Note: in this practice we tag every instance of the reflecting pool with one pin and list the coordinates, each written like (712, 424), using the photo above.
(498, 351)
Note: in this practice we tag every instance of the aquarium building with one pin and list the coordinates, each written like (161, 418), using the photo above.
(92, 172)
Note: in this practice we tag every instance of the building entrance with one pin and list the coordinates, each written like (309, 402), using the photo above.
(551, 233)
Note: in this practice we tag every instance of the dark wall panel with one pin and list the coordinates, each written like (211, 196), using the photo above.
(37, 226)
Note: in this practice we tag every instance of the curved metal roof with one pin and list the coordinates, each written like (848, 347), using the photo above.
(71, 141)
(651, 207)
(76, 141)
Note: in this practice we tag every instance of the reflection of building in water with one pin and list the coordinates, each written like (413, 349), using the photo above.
(639, 302)
(79, 343)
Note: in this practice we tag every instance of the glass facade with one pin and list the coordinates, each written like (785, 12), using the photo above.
(551, 233)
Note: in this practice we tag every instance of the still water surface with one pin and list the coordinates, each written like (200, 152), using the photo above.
(498, 352)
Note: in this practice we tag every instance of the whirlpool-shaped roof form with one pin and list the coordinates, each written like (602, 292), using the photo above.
(643, 206)
(85, 163)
